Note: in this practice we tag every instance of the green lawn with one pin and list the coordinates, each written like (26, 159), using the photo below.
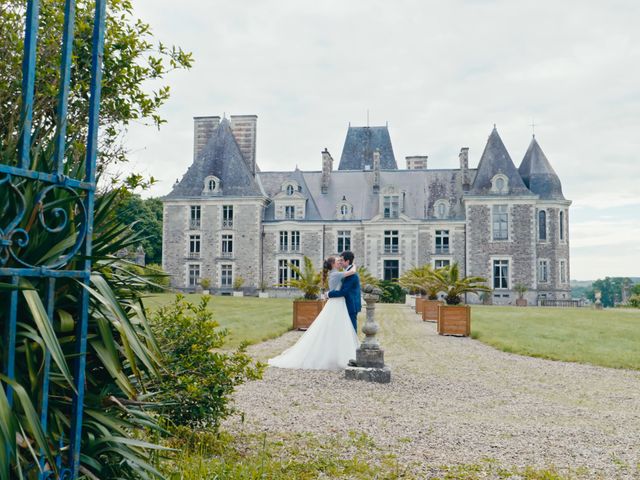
(608, 338)
(247, 318)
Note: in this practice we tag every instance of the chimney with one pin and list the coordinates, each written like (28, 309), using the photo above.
(203, 128)
(464, 168)
(376, 171)
(327, 166)
(417, 162)
(244, 128)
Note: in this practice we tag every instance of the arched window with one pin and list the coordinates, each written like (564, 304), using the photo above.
(290, 189)
(441, 209)
(212, 185)
(561, 225)
(500, 184)
(542, 225)
(344, 209)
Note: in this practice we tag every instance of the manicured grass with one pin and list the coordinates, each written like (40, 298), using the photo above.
(609, 338)
(248, 318)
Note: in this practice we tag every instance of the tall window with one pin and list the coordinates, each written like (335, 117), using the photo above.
(543, 271)
(195, 217)
(391, 269)
(226, 275)
(391, 241)
(441, 263)
(391, 206)
(295, 241)
(284, 241)
(561, 225)
(283, 272)
(563, 271)
(500, 222)
(293, 275)
(194, 274)
(227, 216)
(227, 245)
(194, 246)
(344, 240)
(501, 274)
(542, 225)
(289, 212)
(442, 241)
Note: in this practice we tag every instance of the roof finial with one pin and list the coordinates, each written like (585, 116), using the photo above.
(533, 128)
(494, 126)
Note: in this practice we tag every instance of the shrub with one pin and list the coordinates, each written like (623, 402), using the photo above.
(392, 292)
(238, 283)
(196, 387)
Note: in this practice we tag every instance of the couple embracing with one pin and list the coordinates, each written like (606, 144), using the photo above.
(331, 340)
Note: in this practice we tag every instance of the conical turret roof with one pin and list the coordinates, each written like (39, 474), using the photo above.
(495, 159)
(222, 158)
(538, 174)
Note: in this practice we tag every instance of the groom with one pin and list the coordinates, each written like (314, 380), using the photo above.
(350, 290)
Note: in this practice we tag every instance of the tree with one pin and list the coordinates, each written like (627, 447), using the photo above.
(132, 58)
(145, 217)
(611, 288)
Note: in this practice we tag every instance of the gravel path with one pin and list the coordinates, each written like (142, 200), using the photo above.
(457, 401)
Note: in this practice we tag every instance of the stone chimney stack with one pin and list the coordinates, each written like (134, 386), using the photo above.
(464, 168)
(203, 128)
(327, 166)
(417, 162)
(376, 171)
(244, 128)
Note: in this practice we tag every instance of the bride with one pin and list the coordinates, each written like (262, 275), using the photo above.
(330, 342)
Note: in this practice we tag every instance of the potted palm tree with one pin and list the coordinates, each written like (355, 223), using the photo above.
(521, 289)
(453, 318)
(421, 279)
(238, 282)
(205, 283)
(309, 281)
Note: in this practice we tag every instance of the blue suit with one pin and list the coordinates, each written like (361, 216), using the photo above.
(350, 290)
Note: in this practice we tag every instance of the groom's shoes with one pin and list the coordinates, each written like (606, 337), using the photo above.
(352, 363)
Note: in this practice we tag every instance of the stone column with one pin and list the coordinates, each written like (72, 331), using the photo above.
(369, 363)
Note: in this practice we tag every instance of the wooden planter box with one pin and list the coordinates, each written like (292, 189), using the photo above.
(521, 302)
(419, 300)
(305, 312)
(454, 320)
(430, 310)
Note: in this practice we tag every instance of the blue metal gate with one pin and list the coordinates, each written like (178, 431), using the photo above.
(75, 216)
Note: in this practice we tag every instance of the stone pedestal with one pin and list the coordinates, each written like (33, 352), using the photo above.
(369, 362)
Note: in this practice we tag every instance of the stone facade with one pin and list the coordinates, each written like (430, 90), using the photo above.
(254, 224)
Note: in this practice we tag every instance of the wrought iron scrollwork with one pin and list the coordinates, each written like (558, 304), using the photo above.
(55, 216)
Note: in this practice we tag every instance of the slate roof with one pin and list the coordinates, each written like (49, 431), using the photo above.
(495, 159)
(360, 144)
(538, 174)
(422, 189)
(220, 157)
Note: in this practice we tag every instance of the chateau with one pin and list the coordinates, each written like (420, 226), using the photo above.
(227, 219)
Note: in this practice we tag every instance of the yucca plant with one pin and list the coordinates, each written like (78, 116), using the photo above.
(122, 354)
(309, 280)
(366, 278)
(448, 280)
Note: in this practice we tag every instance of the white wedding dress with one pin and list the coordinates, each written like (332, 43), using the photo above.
(329, 343)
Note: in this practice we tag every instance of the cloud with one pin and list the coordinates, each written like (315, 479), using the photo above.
(441, 74)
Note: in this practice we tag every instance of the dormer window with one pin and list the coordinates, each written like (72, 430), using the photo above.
(211, 185)
(500, 184)
(290, 190)
(441, 209)
(344, 210)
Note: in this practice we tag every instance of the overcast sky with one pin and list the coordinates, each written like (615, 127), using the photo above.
(441, 73)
